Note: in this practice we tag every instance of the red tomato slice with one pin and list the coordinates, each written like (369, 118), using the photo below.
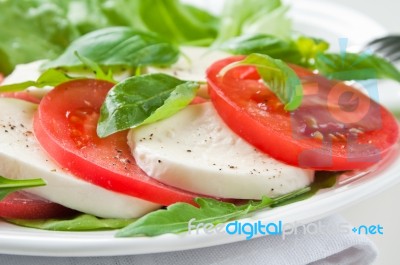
(21, 95)
(23, 205)
(336, 128)
(65, 126)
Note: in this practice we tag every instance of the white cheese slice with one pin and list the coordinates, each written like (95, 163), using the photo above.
(194, 150)
(21, 157)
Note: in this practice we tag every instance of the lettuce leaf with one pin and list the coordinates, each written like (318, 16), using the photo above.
(258, 17)
(31, 30)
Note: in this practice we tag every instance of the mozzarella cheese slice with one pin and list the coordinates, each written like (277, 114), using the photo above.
(21, 157)
(194, 150)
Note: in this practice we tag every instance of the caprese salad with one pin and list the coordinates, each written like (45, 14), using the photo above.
(127, 128)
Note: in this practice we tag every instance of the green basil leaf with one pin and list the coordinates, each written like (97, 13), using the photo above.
(51, 77)
(352, 66)
(143, 99)
(279, 77)
(8, 186)
(176, 217)
(83, 222)
(117, 47)
(273, 46)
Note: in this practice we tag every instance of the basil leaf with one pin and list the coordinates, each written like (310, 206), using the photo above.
(279, 77)
(8, 186)
(83, 222)
(273, 46)
(352, 66)
(50, 77)
(117, 47)
(143, 99)
(176, 217)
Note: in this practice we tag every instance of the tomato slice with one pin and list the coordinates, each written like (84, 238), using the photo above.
(65, 126)
(336, 127)
(23, 205)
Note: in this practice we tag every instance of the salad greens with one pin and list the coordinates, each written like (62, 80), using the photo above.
(128, 105)
(175, 218)
(348, 66)
(32, 30)
(117, 47)
(8, 186)
(271, 45)
(280, 78)
(253, 17)
(82, 222)
(313, 54)
(42, 29)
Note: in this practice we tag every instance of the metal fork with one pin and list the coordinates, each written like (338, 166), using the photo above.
(387, 47)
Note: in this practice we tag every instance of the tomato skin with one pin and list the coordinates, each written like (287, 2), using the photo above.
(21, 95)
(65, 126)
(255, 114)
(23, 205)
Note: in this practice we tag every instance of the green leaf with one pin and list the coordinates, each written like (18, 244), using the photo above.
(117, 47)
(352, 66)
(96, 69)
(176, 217)
(8, 186)
(50, 77)
(253, 17)
(309, 48)
(272, 46)
(143, 99)
(83, 222)
(32, 30)
(279, 77)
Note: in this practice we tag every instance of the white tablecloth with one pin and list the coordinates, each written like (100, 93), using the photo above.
(321, 248)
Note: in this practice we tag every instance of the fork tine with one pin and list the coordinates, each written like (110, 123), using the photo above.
(395, 57)
(388, 44)
(382, 40)
(387, 47)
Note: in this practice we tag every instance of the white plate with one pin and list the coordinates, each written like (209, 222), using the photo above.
(329, 21)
